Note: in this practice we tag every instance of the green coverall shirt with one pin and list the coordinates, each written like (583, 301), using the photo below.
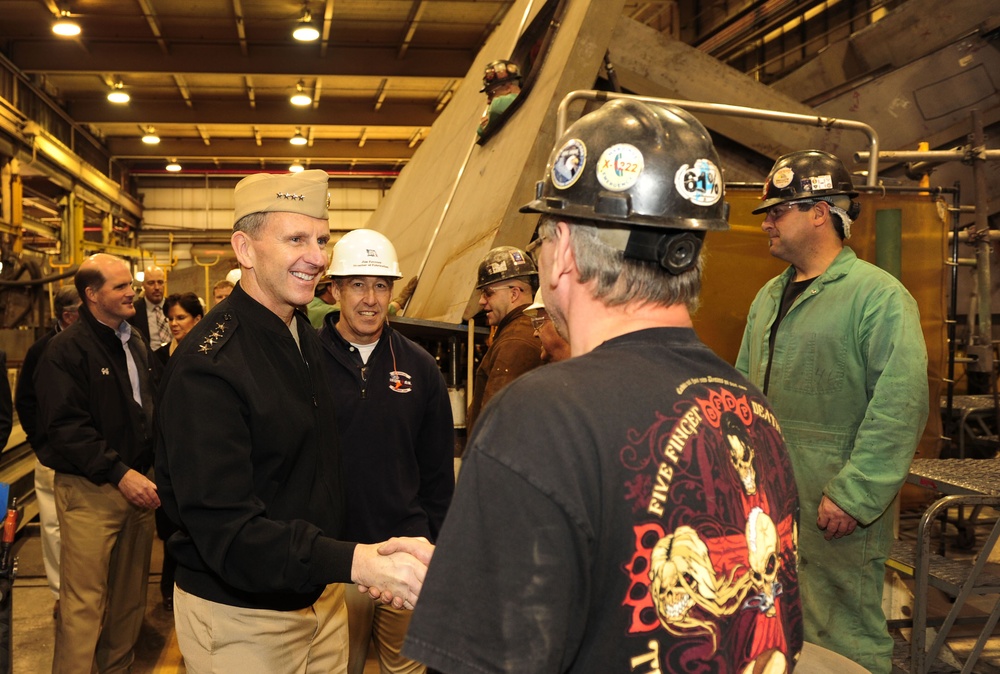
(849, 386)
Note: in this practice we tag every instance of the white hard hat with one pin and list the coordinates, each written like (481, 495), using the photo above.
(532, 309)
(364, 252)
(234, 275)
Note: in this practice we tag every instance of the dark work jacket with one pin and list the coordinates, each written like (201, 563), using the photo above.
(247, 461)
(88, 422)
(140, 321)
(397, 436)
(514, 351)
(6, 404)
(25, 398)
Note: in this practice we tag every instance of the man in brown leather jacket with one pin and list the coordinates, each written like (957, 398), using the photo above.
(507, 277)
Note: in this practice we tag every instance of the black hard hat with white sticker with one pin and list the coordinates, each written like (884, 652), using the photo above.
(633, 163)
(807, 174)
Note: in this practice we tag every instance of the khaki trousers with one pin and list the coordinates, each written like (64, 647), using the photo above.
(221, 639)
(373, 622)
(48, 520)
(106, 543)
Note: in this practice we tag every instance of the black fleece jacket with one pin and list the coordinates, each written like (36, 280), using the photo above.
(397, 436)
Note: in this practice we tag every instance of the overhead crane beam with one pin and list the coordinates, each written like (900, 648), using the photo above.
(203, 59)
(342, 113)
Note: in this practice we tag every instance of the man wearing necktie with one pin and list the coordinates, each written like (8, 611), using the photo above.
(149, 318)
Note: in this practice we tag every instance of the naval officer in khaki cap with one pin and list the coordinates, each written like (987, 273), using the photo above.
(248, 464)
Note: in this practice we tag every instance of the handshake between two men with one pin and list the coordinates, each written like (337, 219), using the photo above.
(392, 572)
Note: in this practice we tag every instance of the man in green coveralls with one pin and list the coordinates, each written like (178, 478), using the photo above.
(835, 344)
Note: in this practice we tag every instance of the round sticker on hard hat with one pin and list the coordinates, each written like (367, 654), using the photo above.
(619, 167)
(568, 165)
(782, 178)
(699, 183)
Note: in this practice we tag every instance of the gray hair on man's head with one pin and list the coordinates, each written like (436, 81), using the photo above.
(620, 280)
(67, 297)
(251, 224)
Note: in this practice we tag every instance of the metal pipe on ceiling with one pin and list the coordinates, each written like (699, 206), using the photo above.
(236, 173)
(733, 111)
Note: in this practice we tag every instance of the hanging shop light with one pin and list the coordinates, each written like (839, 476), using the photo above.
(117, 94)
(300, 97)
(305, 30)
(65, 26)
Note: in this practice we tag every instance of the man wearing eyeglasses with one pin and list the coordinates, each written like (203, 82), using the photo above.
(835, 344)
(392, 410)
(554, 347)
(507, 277)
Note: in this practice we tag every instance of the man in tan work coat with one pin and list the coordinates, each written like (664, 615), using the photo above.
(506, 279)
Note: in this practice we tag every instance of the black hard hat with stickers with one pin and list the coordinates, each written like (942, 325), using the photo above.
(645, 170)
(499, 72)
(812, 175)
(805, 175)
(504, 263)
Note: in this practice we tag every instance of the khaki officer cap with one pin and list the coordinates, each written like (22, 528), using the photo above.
(304, 192)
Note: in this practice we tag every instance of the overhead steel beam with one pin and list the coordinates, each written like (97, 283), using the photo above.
(324, 46)
(154, 24)
(668, 76)
(228, 149)
(292, 60)
(264, 112)
(416, 11)
(241, 29)
(73, 173)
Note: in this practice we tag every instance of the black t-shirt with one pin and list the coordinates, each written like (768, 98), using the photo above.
(629, 510)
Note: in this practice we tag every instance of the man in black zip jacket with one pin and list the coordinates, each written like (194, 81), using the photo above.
(248, 464)
(395, 429)
(95, 404)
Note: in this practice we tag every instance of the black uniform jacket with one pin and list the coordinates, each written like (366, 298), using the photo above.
(247, 461)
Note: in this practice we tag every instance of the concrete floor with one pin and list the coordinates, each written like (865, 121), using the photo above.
(34, 626)
(157, 651)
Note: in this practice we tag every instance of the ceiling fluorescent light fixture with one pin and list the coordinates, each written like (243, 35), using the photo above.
(306, 30)
(118, 93)
(298, 138)
(149, 136)
(173, 166)
(65, 26)
(300, 97)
